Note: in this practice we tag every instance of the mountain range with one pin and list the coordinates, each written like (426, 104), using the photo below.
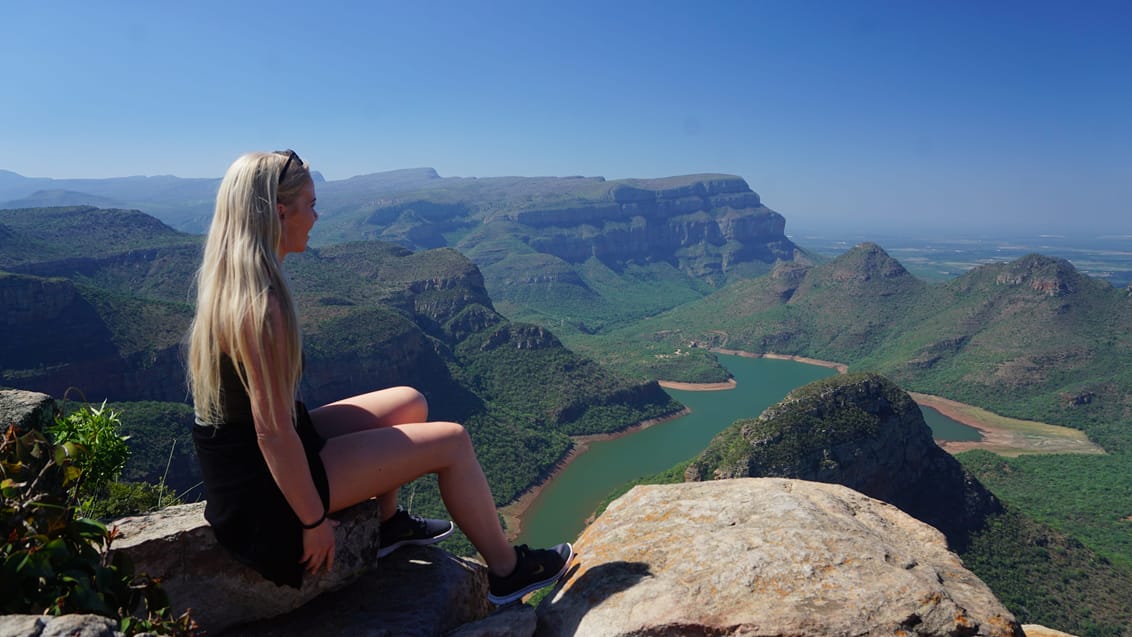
(498, 298)
(111, 323)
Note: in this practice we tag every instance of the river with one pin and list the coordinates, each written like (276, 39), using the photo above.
(560, 511)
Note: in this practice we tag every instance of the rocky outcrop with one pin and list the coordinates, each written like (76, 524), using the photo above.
(767, 557)
(58, 626)
(861, 431)
(780, 557)
(26, 410)
(770, 557)
(1045, 275)
(417, 592)
(177, 546)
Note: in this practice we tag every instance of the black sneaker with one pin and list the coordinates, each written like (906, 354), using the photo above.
(403, 530)
(533, 570)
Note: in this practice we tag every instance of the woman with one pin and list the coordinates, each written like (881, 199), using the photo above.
(272, 471)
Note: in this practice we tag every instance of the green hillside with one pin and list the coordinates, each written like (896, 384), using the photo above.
(861, 431)
(561, 320)
(1032, 339)
(374, 315)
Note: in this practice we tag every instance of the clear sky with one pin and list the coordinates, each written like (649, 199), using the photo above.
(844, 113)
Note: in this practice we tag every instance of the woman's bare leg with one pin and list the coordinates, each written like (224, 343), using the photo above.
(371, 462)
(374, 410)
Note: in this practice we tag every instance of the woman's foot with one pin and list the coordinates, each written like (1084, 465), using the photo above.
(534, 569)
(404, 530)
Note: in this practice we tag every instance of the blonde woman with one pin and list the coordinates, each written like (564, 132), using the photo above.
(273, 471)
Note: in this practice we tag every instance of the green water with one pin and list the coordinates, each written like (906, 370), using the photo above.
(561, 509)
(944, 428)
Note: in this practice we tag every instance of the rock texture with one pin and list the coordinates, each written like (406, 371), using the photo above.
(61, 626)
(177, 546)
(26, 410)
(417, 592)
(861, 431)
(767, 557)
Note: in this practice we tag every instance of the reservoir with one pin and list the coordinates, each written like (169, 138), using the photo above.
(560, 511)
(944, 428)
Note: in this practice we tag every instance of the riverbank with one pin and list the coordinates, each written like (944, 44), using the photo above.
(512, 513)
(675, 384)
(841, 368)
(1005, 436)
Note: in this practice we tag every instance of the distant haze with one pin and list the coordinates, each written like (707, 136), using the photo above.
(847, 117)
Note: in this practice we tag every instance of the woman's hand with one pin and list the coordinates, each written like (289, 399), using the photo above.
(318, 547)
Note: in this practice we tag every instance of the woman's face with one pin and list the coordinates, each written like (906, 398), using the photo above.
(297, 219)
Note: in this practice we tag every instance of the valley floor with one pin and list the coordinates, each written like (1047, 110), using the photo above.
(1005, 436)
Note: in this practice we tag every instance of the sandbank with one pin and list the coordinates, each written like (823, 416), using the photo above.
(841, 368)
(675, 384)
(1005, 436)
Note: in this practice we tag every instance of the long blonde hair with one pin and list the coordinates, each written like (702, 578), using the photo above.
(240, 270)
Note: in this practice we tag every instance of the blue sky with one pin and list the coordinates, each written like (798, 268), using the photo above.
(855, 115)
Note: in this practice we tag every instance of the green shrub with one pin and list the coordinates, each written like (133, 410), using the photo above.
(96, 430)
(131, 498)
(54, 561)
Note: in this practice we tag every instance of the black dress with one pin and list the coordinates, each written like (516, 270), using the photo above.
(245, 507)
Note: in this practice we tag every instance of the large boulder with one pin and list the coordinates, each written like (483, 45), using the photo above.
(767, 557)
(178, 546)
(417, 592)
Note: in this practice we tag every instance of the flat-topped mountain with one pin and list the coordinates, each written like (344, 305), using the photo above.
(577, 254)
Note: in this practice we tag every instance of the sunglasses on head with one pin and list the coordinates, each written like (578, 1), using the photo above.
(291, 156)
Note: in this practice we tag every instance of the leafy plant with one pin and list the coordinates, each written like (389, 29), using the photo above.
(54, 561)
(95, 430)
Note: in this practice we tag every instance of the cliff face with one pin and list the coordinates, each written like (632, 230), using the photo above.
(861, 431)
(704, 228)
(579, 253)
(57, 336)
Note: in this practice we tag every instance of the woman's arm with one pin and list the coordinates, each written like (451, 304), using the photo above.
(271, 404)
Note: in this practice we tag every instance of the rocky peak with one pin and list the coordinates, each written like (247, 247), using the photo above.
(1046, 275)
(865, 262)
(861, 431)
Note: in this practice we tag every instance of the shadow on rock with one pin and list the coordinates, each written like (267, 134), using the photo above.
(583, 589)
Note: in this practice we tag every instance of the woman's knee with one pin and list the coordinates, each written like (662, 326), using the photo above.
(412, 404)
(455, 434)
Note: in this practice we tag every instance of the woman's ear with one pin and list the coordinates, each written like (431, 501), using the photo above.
(281, 209)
